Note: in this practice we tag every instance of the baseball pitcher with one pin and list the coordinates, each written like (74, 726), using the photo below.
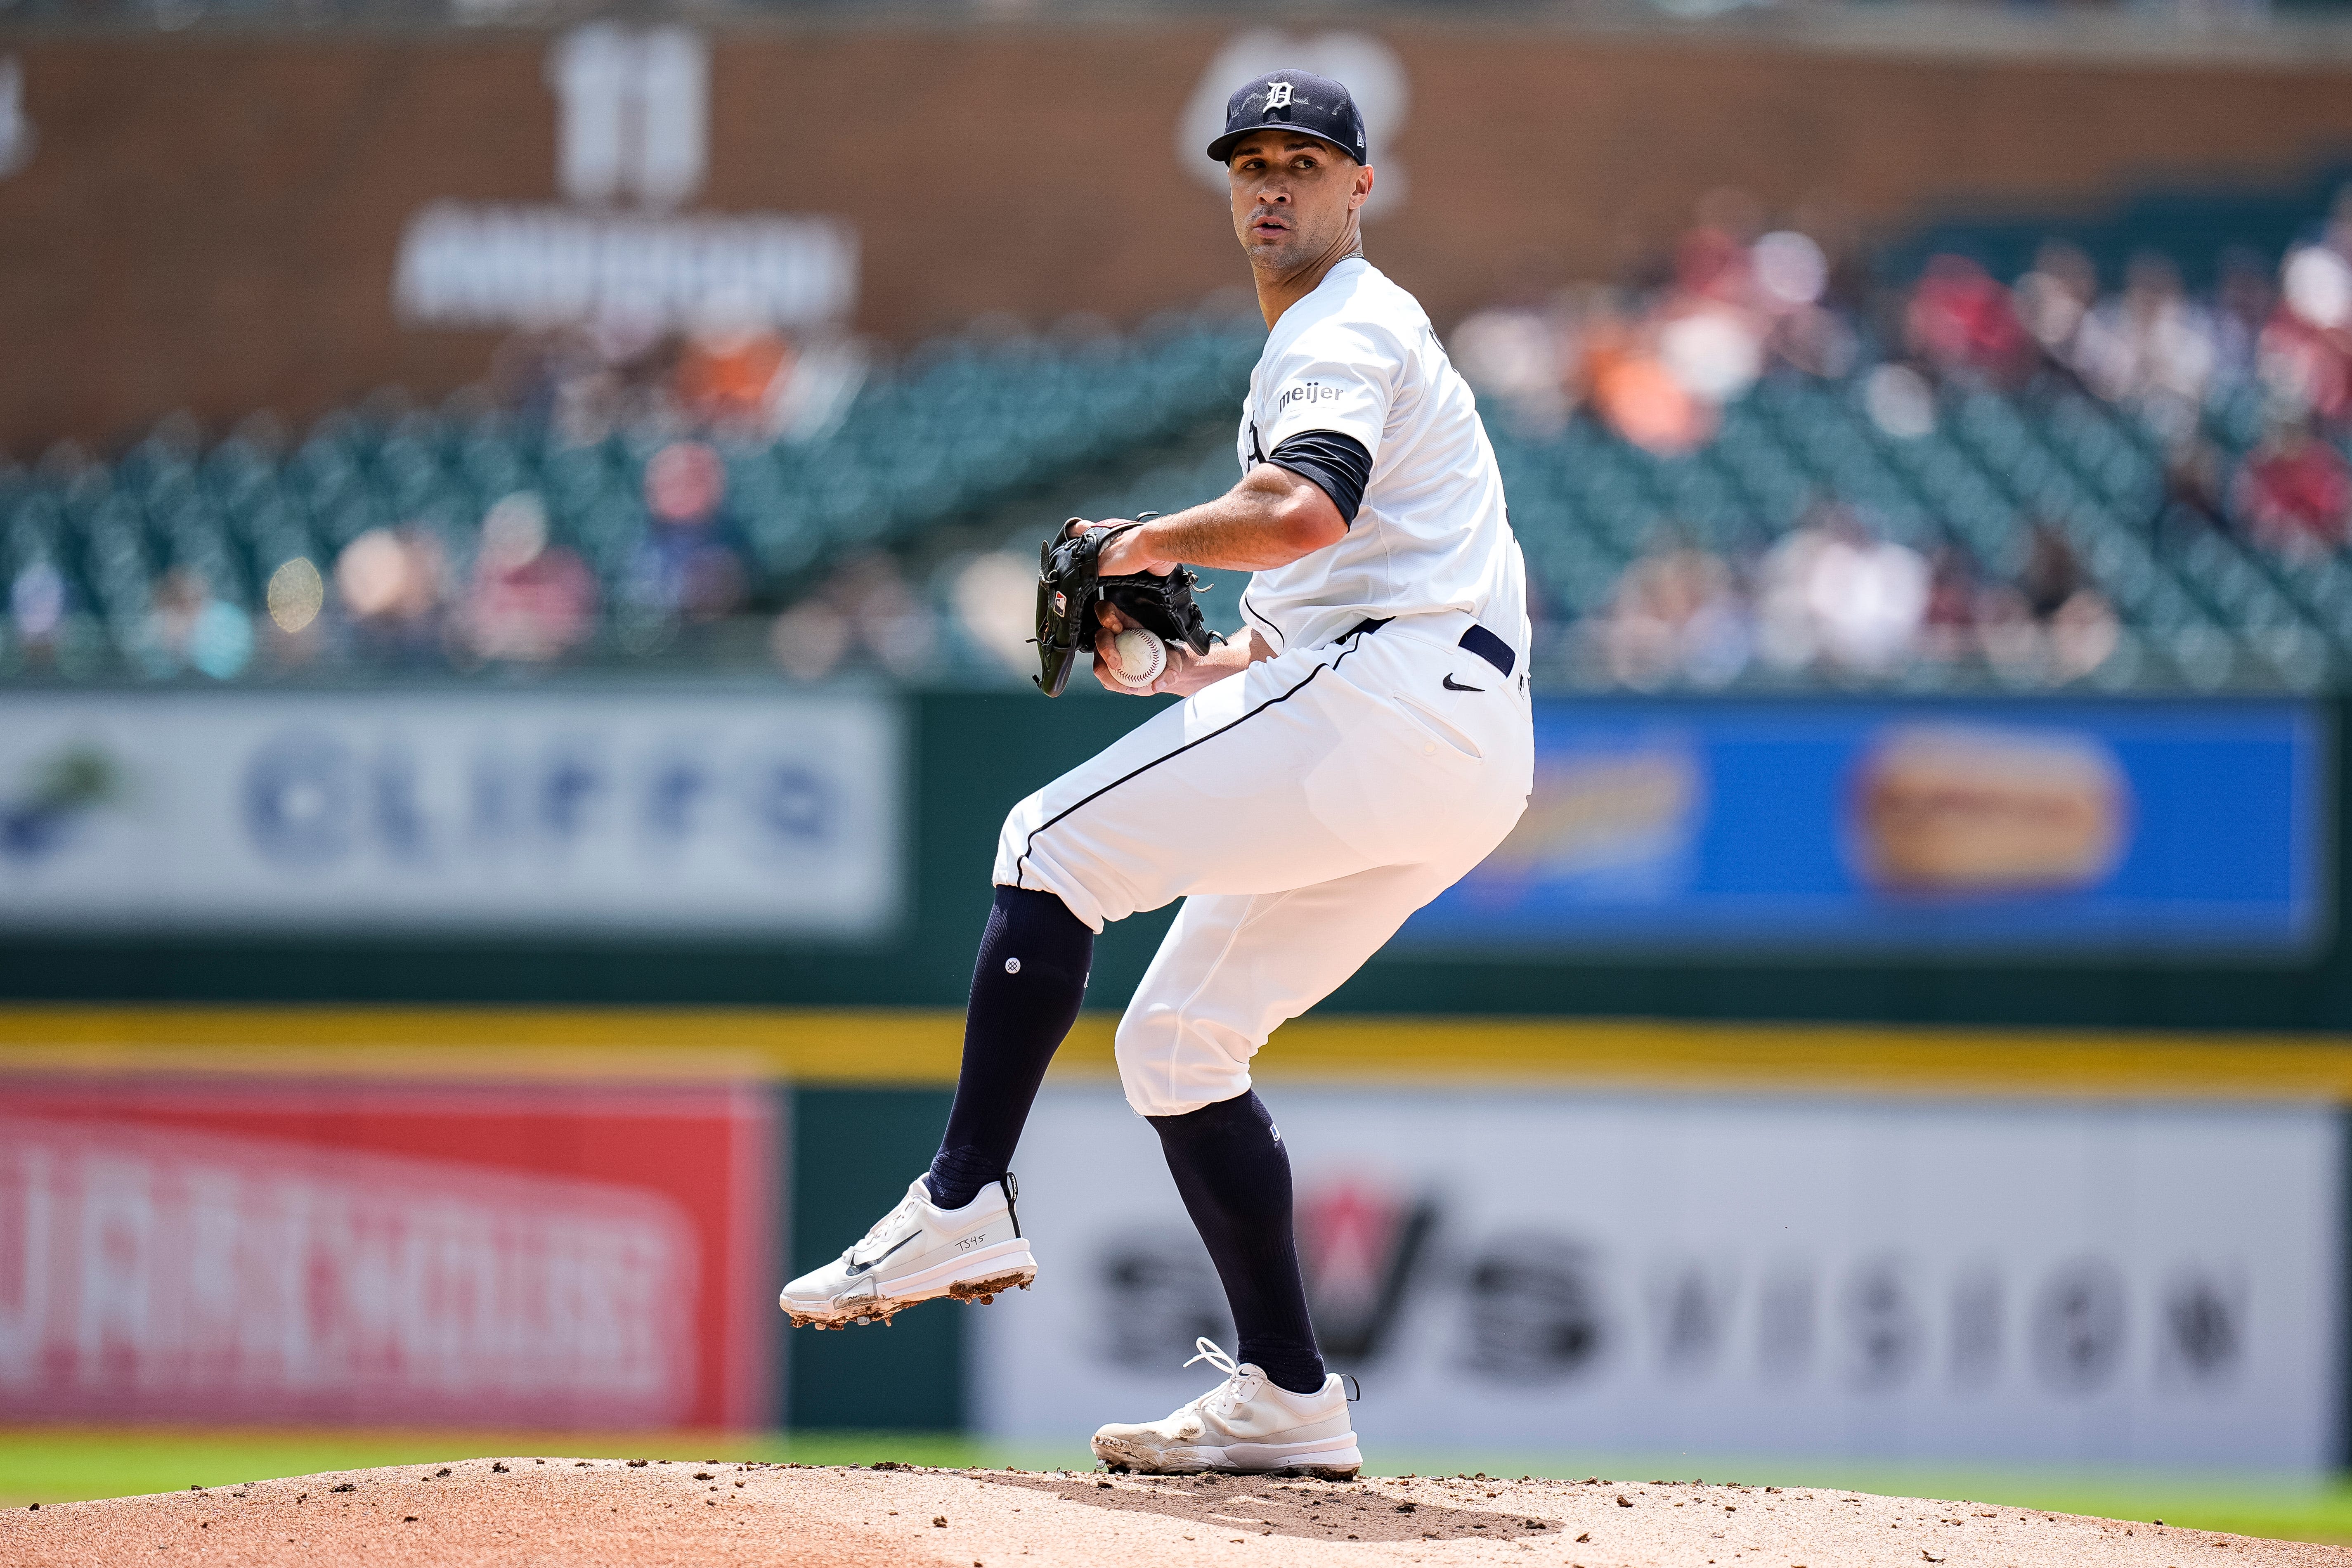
(1360, 743)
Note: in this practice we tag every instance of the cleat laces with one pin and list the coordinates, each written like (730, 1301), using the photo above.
(1236, 1388)
(882, 1228)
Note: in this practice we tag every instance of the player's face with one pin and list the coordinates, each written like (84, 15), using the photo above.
(1294, 198)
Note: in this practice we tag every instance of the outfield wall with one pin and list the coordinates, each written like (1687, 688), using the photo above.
(2155, 864)
(1520, 1235)
(2085, 1200)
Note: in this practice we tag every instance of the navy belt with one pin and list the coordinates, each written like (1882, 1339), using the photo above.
(1477, 639)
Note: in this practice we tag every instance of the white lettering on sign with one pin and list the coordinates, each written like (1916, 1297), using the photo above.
(17, 138)
(157, 1272)
(467, 265)
(633, 111)
(633, 141)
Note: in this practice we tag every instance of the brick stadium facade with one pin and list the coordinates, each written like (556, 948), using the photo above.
(212, 219)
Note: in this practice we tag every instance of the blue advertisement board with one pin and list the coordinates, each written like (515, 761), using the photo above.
(2172, 826)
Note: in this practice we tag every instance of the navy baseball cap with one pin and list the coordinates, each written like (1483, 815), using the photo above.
(1294, 100)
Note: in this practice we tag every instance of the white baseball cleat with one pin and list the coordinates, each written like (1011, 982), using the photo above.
(1245, 1424)
(918, 1252)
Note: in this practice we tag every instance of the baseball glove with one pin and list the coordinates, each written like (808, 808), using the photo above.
(1068, 589)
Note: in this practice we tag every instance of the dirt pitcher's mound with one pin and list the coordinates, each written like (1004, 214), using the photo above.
(595, 1512)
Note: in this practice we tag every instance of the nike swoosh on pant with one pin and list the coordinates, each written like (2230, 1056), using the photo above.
(1451, 685)
(854, 1270)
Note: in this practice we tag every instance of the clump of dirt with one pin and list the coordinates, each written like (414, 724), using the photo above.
(547, 1511)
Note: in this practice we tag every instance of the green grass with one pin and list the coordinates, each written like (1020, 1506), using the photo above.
(2287, 1507)
(63, 1464)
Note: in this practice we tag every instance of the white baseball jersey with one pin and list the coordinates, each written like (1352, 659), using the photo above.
(1304, 807)
(1358, 356)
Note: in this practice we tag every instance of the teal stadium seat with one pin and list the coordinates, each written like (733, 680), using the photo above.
(965, 423)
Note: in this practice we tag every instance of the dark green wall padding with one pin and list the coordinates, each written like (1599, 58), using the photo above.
(853, 1153)
(973, 755)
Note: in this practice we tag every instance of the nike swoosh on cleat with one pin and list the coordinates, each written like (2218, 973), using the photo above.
(1451, 685)
(854, 1270)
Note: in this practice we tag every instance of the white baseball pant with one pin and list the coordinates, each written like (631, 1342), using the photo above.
(1302, 809)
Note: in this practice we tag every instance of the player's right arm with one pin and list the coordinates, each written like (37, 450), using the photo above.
(1272, 517)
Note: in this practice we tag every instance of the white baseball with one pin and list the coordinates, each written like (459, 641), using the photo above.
(1141, 657)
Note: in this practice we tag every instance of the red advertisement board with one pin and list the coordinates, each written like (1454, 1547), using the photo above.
(543, 1254)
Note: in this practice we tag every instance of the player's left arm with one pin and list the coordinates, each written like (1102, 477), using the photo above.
(1317, 430)
(1274, 516)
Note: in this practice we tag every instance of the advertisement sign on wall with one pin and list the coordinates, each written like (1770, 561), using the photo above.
(637, 811)
(555, 1256)
(2173, 826)
(633, 134)
(1550, 1272)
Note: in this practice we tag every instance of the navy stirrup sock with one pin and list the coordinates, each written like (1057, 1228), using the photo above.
(1026, 990)
(1234, 1175)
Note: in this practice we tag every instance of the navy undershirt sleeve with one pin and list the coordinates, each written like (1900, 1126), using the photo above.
(1335, 462)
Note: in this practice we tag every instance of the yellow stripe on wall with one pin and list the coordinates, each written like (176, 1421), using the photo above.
(912, 1047)
(879, 1045)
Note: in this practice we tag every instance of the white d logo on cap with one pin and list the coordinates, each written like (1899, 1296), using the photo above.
(1278, 95)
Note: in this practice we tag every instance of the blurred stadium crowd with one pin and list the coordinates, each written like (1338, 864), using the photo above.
(602, 496)
(1756, 463)
(1748, 462)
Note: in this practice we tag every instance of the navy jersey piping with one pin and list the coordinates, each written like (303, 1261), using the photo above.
(1031, 842)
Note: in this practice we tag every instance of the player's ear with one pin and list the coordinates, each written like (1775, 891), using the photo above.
(1363, 191)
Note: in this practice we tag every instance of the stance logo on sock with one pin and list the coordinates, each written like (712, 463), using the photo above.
(1011, 966)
